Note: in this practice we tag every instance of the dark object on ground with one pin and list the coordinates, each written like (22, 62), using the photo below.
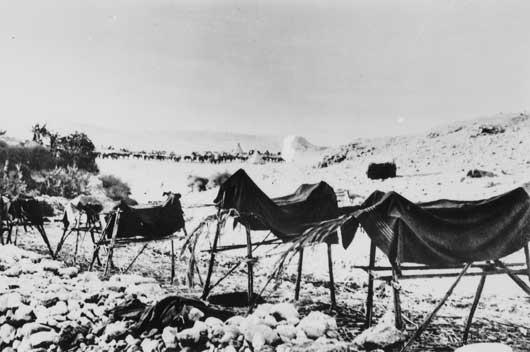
(286, 217)
(381, 171)
(446, 232)
(170, 311)
(24, 211)
(234, 299)
(197, 183)
(150, 221)
(490, 129)
(476, 173)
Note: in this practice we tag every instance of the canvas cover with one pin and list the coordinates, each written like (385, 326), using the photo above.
(446, 232)
(288, 216)
(150, 221)
(26, 207)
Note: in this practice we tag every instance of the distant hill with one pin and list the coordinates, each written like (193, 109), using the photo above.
(499, 143)
(178, 141)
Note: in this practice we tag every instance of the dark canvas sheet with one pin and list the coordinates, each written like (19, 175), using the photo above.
(150, 221)
(446, 232)
(287, 217)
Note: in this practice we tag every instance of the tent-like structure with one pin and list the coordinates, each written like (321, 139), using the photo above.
(471, 236)
(22, 211)
(287, 217)
(142, 223)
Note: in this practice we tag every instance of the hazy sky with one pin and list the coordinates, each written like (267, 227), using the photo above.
(329, 70)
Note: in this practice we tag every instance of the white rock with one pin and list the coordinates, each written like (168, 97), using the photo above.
(7, 334)
(23, 314)
(51, 265)
(9, 301)
(381, 335)
(43, 339)
(151, 290)
(30, 328)
(195, 314)
(169, 336)
(286, 332)
(115, 330)
(149, 345)
(69, 272)
(60, 308)
(315, 324)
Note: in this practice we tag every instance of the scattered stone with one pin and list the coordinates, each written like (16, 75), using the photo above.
(382, 335)
(43, 339)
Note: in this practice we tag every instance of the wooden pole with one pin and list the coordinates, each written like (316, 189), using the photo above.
(112, 242)
(42, 232)
(172, 262)
(480, 287)
(527, 256)
(299, 274)
(206, 288)
(514, 277)
(397, 300)
(250, 268)
(427, 321)
(136, 257)
(370, 297)
(331, 279)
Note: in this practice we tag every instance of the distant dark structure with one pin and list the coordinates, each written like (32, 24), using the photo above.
(381, 171)
(476, 173)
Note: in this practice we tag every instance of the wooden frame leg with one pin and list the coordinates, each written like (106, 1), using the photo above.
(397, 301)
(331, 279)
(172, 262)
(112, 243)
(480, 287)
(513, 276)
(135, 258)
(299, 274)
(370, 296)
(206, 288)
(527, 256)
(250, 268)
(429, 318)
(40, 229)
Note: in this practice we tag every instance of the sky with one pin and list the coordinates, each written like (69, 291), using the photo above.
(328, 70)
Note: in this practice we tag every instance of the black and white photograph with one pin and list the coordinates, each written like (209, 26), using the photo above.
(264, 175)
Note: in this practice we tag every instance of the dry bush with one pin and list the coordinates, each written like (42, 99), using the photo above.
(218, 179)
(197, 183)
(66, 182)
(115, 188)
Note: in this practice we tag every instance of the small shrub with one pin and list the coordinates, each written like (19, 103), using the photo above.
(197, 183)
(115, 188)
(218, 179)
(31, 158)
(12, 181)
(66, 182)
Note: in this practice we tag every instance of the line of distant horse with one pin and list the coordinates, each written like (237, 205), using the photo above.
(206, 157)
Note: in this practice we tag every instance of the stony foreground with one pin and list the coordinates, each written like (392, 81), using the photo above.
(45, 306)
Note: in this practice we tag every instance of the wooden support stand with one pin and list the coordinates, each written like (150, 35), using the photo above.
(370, 298)
(112, 243)
(331, 279)
(206, 288)
(427, 321)
(480, 287)
(299, 274)
(250, 268)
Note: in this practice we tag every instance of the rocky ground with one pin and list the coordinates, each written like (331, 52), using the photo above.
(53, 296)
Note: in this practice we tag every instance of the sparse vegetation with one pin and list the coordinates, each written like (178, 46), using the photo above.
(218, 179)
(66, 182)
(115, 188)
(197, 183)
